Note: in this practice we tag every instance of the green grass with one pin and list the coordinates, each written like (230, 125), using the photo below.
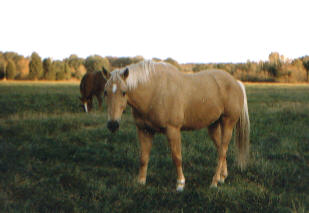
(54, 158)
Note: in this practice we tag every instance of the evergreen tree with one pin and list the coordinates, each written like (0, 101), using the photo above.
(35, 67)
(10, 70)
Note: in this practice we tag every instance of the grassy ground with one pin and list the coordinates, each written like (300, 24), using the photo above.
(54, 158)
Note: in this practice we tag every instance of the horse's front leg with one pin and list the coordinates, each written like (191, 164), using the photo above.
(174, 138)
(90, 103)
(145, 140)
(99, 98)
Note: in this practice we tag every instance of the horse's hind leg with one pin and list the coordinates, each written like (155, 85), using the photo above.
(214, 132)
(99, 98)
(226, 126)
(174, 138)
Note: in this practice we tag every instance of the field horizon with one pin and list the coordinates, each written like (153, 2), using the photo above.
(77, 81)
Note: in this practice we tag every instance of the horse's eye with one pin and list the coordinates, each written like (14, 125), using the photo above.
(124, 93)
(105, 93)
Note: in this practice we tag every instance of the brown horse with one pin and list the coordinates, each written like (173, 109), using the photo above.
(167, 101)
(92, 83)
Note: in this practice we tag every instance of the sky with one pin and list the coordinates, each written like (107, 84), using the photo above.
(192, 31)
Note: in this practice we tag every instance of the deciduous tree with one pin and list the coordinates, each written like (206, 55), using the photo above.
(48, 68)
(35, 67)
(11, 70)
(95, 63)
(173, 62)
(306, 66)
(2, 69)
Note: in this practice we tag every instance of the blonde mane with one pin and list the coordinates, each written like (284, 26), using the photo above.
(138, 73)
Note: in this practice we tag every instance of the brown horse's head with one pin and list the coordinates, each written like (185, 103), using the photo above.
(115, 94)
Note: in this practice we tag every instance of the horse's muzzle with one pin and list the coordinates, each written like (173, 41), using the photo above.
(113, 126)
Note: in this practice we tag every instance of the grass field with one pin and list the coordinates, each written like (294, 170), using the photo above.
(54, 158)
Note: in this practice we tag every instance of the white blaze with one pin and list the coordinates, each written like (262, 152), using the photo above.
(114, 88)
(86, 108)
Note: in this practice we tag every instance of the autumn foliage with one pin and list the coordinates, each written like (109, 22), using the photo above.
(276, 69)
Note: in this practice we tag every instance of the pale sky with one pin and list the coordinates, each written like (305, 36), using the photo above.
(187, 31)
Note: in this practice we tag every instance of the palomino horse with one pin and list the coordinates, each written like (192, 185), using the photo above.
(167, 101)
(92, 83)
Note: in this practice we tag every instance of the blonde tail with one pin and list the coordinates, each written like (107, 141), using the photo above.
(242, 135)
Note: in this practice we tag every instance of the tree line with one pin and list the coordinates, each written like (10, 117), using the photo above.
(276, 69)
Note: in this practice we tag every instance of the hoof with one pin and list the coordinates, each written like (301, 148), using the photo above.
(141, 182)
(180, 185)
(213, 186)
(180, 188)
(222, 180)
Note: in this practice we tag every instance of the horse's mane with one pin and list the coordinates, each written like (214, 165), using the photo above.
(139, 73)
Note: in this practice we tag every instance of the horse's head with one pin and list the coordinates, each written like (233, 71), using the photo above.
(115, 94)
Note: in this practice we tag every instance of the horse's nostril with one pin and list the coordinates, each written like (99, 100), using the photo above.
(112, 125)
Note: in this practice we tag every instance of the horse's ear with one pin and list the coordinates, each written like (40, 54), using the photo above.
(125, 74)
(106, 74)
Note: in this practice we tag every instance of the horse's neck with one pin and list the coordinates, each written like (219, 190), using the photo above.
(139, 98)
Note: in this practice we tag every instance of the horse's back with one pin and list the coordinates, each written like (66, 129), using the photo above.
(229, 90)
(211, 84)
(92, 83)
(211, 94)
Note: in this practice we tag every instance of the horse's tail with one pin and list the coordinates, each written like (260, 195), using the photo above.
(242, 135)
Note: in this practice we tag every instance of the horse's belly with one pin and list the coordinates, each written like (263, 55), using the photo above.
(200, 120)
(147, 125)
(196, 125)
(193, 127)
